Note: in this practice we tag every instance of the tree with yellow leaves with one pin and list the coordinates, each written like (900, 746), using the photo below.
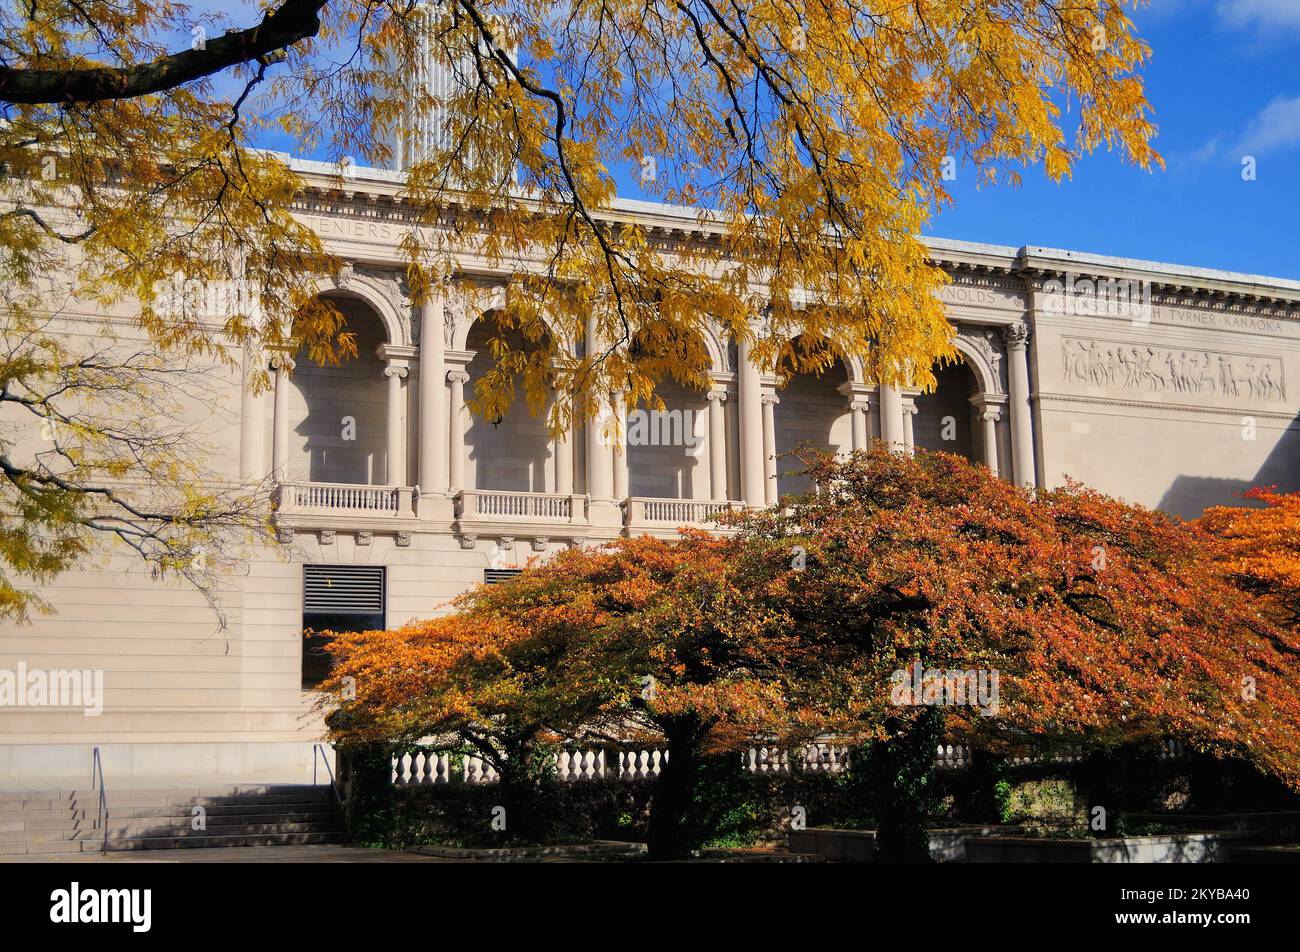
(812, 137)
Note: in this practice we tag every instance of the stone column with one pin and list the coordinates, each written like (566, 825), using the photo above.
(619, 450)
(718, 445)
(252, 420)
(283, 365)
(858, 411)
(990, 417)
(752, 488)
(456, 443)
(431, 475)
(770, 495)
(891, 417)
(602, 511)
(910, 409)
(1022, 428)
(395, 442)
(563, 450)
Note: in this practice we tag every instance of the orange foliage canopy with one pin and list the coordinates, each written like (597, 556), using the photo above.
(1105, 623)
(604, 642)
(1261, 547)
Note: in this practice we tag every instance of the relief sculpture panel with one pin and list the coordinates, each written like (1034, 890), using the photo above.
(1150, 369)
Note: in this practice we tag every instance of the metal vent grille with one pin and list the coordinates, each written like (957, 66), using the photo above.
(343, 589)
(493, 576)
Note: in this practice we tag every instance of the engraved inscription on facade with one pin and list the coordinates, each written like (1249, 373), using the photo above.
(1101, 363)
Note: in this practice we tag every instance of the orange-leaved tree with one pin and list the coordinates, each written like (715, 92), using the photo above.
(643, 640)
(702, 663)
(485, 676)
(905, 587)
(1261, 547)
(1106, 623)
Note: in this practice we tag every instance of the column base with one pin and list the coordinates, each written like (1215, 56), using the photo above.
(435, 507)
(604, 514)
(577, 509)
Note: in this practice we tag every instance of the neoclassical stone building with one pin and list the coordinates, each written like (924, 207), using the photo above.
(1170, 386)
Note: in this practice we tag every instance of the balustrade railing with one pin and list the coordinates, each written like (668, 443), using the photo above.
(644, 510)
(422, 766)
(429, 766)
(493, 505)
(341, 497)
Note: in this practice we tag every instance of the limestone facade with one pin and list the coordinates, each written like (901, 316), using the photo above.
(1174, 387)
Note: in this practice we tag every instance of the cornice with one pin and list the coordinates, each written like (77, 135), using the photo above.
(378, 195)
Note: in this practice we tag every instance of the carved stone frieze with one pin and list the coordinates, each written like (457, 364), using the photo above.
(1190, 371)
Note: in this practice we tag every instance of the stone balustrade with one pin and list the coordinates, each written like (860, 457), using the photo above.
(481, 505)
(424, 766)
(345, 498)
(648, 512)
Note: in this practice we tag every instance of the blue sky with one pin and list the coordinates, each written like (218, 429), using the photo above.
(1224, 80)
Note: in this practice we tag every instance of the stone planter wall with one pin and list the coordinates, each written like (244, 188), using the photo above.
(855, 846)
(1181, 848)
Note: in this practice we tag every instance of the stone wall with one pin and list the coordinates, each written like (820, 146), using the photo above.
(1182, 412)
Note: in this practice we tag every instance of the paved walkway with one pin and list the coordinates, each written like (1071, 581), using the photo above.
(240, 854)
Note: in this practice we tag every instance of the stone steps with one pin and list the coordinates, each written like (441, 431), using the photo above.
(90, 801)
(170, 824)
(64, 822)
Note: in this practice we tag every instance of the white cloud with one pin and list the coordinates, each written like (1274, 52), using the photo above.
(1206, 153)
(1265, 15)
(1276, 126)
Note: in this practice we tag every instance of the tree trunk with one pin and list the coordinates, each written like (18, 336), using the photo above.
(668, 835)
(370, 811)
(900, 777)
(522, 777)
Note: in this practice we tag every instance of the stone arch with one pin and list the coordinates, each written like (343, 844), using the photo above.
(853, 367)
(851, 364)
(812, 410)
(979, 352)
(461, 322)
(719, 352)
(338, 412)
(514, 452)
(465, 310)
(397, 325)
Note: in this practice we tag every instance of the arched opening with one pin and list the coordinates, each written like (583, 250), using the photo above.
(813, 411)
(512, 453)
(946, 419)
(667, 450)
(338, 413)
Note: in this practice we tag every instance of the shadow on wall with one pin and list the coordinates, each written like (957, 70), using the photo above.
(1189, 496)
(667, 451)
(513, 453)
(945, 419)
(340, 411)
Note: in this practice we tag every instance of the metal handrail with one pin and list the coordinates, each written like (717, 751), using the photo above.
(320, 748)
(97, 770)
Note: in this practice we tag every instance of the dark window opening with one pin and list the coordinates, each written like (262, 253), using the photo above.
(494, 576)
(339, 598)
